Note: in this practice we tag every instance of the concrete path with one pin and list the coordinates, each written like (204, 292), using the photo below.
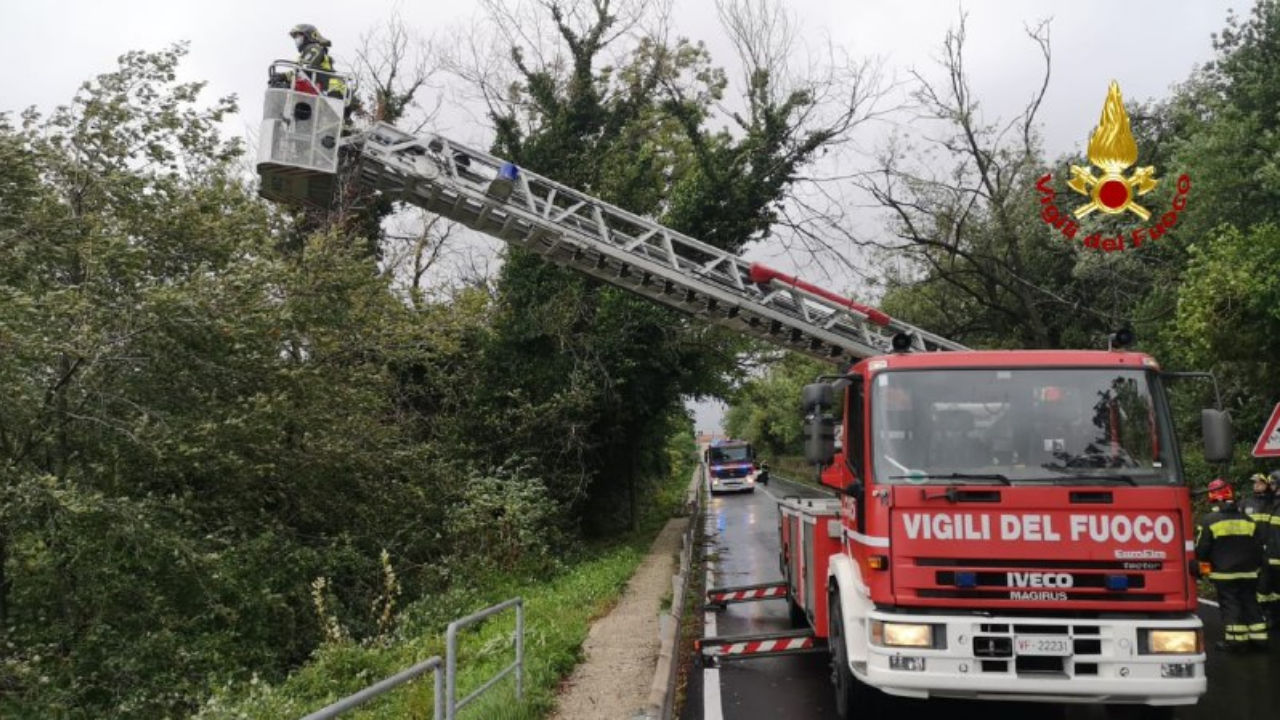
(621, 651)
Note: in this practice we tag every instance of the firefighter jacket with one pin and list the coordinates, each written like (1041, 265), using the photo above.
(1265, 511)
(315, 56)
(1230, 542)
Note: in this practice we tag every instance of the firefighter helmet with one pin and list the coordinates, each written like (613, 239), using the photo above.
(1220, 491)
(309, 33)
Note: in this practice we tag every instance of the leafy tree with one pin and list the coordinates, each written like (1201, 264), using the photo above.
(766, 409)
(195, 427)
(590, 374)
(1229, 316)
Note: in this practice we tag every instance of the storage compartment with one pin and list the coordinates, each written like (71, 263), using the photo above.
(810, 533)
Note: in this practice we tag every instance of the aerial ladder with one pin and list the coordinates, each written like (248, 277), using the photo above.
(304, 150)
(303, 147)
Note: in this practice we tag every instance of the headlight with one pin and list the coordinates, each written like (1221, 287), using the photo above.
(1173, 642)
(891, 634)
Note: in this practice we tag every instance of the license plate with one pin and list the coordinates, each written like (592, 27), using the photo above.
(1035, 645)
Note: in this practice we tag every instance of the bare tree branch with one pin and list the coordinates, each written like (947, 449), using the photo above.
(396, 64)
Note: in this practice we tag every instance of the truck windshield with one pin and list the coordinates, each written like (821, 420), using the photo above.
(737, 453)
(1062, 426)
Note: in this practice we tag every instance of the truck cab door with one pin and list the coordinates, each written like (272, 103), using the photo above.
(855, 489)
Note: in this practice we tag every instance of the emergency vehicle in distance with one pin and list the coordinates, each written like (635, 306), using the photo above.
(1006, 524)
(732, 466)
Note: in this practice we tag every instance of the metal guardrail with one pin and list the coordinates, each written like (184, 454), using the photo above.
(452, 704)
(373, 691)
(446, 685)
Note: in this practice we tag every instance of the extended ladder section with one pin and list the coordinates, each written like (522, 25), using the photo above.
(586, 234)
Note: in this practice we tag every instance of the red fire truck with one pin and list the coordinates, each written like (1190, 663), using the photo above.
(1010, 525)
(732, 466)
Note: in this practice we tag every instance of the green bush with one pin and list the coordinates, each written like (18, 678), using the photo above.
(505, 521)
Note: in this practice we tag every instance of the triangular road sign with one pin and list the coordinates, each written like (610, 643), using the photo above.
(1269, 444)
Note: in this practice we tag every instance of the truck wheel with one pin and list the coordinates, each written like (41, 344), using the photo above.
(853, 698)
(1140, 712)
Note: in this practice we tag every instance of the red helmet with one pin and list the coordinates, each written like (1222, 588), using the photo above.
(1220, 491)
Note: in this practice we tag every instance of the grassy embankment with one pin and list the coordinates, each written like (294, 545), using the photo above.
(793, 468)
(558, 613)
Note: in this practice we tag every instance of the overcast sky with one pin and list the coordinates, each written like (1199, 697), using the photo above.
(50, 47)
(1148, 45)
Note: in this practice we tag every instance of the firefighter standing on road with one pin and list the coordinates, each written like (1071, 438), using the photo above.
(1230, 542)
(1264, 509)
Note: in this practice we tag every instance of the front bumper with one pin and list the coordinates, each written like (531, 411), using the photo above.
(746, 484)
(1104, 665)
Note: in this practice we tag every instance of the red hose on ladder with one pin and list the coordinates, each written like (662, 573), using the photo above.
(763, 275)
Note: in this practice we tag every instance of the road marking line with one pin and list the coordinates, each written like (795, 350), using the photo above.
(1208, 602)
(712, 704)
(712, 709)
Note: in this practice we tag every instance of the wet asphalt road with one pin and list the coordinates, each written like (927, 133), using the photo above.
(742, 538)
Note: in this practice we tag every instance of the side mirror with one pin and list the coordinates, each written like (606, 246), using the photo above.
(818, 397)
(819, 439)
(1219, 445)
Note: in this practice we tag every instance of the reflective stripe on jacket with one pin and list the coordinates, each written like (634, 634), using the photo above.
(1265, 511)
(1230, 542)
(315, 56)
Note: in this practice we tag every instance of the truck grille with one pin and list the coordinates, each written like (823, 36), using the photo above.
(1113, 581)
(993, 647)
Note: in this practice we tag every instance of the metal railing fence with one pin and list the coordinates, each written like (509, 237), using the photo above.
(446, 704)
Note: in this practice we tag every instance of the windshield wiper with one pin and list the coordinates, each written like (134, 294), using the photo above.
(1004, 480)
(1118, 478)
(1075, 474)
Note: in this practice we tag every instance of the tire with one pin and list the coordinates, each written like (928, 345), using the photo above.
(853, 698)
(1140, 712)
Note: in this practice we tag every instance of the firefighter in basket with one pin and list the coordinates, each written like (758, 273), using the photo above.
(317, 76)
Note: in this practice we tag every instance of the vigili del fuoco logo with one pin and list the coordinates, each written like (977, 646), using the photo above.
(1112, 151)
